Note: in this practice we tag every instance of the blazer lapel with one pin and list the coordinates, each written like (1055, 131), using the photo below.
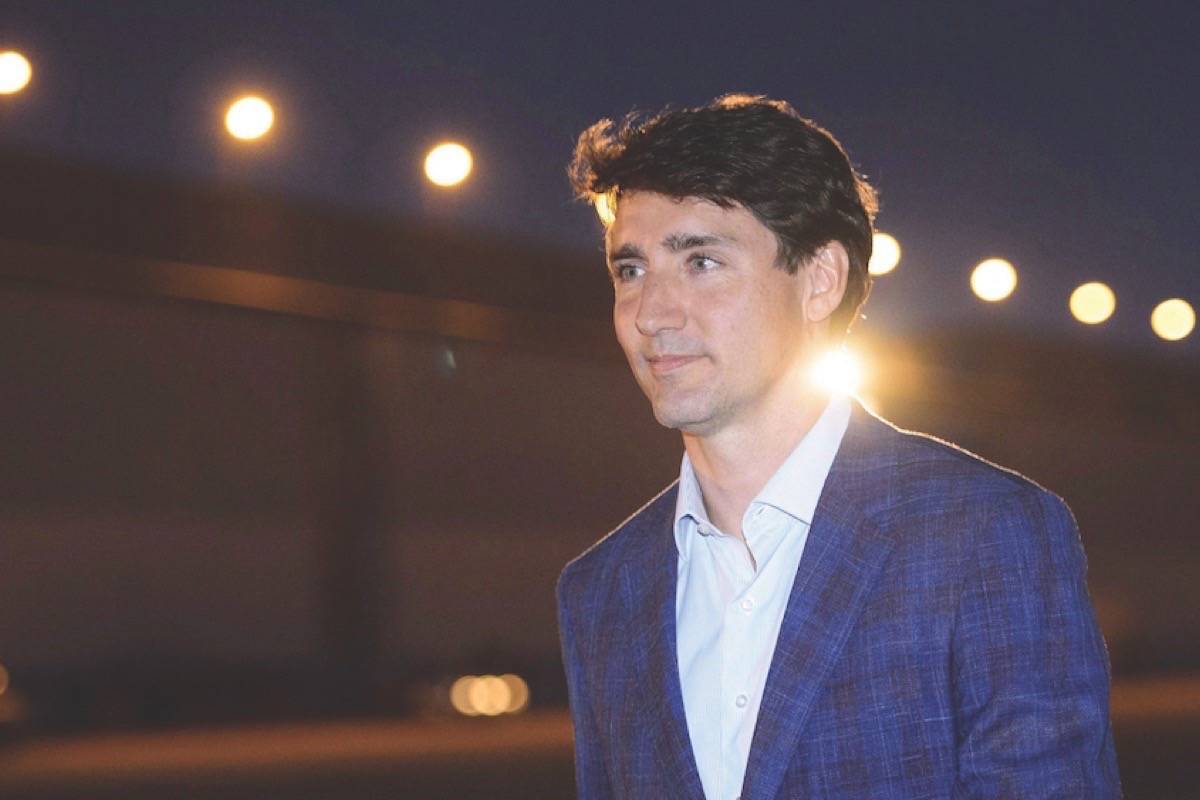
(843, 555)
(649, 583)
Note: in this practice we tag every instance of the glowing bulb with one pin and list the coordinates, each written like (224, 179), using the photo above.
(249, 118)
(448, 164)
(518, 693)
(1173, 319)
(15, 72)
(885, 254)
(604, 210)
(838, 371)
(489, 695)
(993, 280)
(460, 695)
(1092, 303)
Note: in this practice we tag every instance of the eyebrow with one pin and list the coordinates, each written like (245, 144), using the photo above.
(674, 242)
(678, 242)
(626, 250)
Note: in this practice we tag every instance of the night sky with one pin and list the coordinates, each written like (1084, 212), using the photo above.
(1059, 135)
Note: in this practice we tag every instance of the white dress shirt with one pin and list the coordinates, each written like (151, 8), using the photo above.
(727, 613)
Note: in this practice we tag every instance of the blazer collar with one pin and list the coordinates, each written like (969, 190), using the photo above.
(845, 552)
(648, 582)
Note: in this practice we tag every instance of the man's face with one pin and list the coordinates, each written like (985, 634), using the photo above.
(714, 331)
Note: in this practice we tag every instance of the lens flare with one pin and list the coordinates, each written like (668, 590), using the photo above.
(838, 371)
(15, 72)
(518, 693)
(249, 118)
(489, 695)
(1173, 319)
(448, 164)
(885, 254)
(1093, 303)
(994, 280)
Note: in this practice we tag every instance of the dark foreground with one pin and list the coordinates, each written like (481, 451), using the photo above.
(1157, 725)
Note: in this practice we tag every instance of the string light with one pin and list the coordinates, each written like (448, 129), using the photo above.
(1173, 319)
(15, 72)
(249, 118)
(885, 254)
(448, 164)
(489, 695)
(994, 280)
(1092, 303)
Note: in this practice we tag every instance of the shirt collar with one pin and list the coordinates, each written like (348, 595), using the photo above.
(689, 502)
(795, 487)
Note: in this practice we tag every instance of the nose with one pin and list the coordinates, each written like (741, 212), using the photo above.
(660, 307)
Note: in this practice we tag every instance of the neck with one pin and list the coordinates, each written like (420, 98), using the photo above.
(733, 466)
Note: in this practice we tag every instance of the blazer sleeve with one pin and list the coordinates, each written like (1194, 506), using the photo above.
(1030, 669)
(591, 778)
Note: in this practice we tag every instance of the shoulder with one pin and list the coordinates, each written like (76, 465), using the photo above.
(943, 499)
(960, 525)
(935, 497)
(596, 565)
(927, 470)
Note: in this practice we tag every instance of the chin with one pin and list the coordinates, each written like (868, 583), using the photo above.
(684, 420)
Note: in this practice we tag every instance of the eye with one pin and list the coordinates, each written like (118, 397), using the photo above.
(703, 263)
(624, 273)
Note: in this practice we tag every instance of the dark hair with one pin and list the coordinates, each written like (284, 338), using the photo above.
(747, 151)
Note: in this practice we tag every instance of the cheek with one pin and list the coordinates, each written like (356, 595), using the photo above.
(776, 314)
(734, 327)
(623, 326)
(754, 339)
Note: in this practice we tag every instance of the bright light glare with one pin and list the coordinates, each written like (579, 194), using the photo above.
(885, 254)
(518, 693)
(993, 280)
(604, 210)
(838, 371)
(489, 695)
(448, 164)
(1092, 303)
(249, 118)
(870, 402)
(1173, 319)
(15, 72)
(460, 696)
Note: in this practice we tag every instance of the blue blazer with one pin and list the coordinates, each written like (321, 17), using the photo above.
(938, 642)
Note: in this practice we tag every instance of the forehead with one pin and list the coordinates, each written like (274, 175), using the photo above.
(650, 220)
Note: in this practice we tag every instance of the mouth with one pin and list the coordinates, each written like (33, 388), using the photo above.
(661, 365)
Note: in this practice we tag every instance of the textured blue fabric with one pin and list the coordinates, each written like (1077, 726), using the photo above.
(724, 647)
(938, 642)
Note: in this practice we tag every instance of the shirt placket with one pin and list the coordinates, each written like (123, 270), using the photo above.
(736, 643)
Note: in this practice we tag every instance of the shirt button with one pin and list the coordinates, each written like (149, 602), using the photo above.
(747, 604)
(741, 700)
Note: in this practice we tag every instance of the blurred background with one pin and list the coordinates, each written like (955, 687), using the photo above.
(310, 391)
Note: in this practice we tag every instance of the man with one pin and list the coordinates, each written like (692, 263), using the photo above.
(822, 606)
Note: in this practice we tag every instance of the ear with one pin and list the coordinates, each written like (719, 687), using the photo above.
(826, 275)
